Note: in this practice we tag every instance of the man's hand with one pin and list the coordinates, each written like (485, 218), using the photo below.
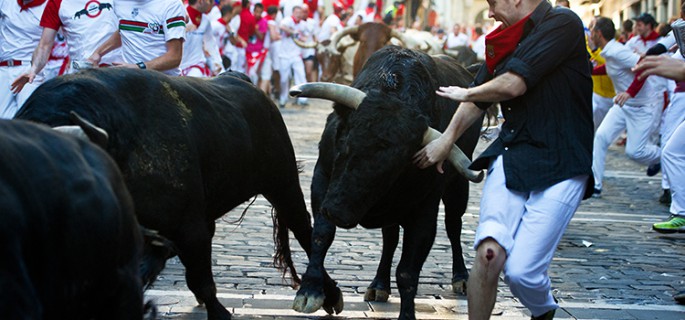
(621, 98)
(19, 83)
(454, 93)
(662, 66)
(94, 59)
(433, 153)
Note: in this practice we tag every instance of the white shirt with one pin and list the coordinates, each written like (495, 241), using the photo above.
(479, 47)
(146, 26)
(288, 48)
(619, 61)
(20, 31)
(214, 13)
(332, 21)
(86, 25)
(309, 29)
(637, 45)
(366, 17)
(457, 40)
(219, 33)
(197, 42)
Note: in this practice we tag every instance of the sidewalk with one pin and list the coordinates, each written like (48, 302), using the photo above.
(609, 265)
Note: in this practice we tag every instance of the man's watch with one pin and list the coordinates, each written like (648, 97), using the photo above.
(141, 65)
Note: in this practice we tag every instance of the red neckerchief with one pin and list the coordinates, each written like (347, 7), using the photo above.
(651, 36)
(221, 20)
(31, 4)
(502, 42)
(195, 16)
(296, 20)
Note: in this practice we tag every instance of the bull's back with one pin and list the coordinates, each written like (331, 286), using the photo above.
(173, 136)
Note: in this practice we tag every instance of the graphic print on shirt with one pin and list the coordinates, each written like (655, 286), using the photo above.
(93, 9)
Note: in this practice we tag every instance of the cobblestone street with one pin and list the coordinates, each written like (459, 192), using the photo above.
(609, 264)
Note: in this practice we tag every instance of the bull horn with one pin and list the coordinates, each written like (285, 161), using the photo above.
(75, 131)
(353, 97)
(457, 157)
(305, 45)
(452, 53)
(339, 35)
(96, 134)
(84, 130)
(345, 95)
(396, 34)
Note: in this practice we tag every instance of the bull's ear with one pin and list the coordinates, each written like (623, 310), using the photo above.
(96, 135)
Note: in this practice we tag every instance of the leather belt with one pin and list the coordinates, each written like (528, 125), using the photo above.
(10, 63)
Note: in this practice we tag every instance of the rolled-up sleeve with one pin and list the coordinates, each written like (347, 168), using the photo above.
(539, 54)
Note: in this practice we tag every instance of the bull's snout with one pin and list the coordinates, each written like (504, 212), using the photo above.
(337, 219)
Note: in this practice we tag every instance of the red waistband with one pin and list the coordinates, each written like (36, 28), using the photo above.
(10, 63)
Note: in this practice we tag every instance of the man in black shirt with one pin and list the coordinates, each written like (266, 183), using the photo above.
(540, 165)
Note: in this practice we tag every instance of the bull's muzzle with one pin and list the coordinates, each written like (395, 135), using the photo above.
(353, 97)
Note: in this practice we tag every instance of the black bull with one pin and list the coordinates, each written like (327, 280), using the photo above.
(190, 150)
(69, 240)
(364, 174)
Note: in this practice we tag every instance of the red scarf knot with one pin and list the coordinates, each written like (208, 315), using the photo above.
(195, 16)
(652, 36)
(26, 5)
(501, 42)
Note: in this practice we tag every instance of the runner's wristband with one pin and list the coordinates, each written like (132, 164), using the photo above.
(141, 65)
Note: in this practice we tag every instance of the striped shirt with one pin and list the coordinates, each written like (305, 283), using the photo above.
(146, 26)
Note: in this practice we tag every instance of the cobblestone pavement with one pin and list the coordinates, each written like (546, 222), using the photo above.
(609, 264)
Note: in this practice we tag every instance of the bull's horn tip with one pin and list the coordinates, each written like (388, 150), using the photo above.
(295, 92)
(479, 177)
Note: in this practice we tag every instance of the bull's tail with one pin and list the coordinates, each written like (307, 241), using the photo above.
(283, 258)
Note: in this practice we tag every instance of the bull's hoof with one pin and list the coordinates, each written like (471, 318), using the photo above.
(378, 295)
(337, 307)
(459, 287)
(378, 290)
(222, 314)
(459, 283)
(307, 303)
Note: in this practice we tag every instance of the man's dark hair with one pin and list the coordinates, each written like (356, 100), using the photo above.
(226, 9)
(245, 4)
(271, 10)
(628, 26)
(258, 5)
(192, 2)
(606, 27)
(647, 18)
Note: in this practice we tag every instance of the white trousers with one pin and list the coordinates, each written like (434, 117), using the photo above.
(600, 107)
(10, 102)
(639, 123)
(673, 164)
(673, 116)
(293, 65)
(529, 226)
